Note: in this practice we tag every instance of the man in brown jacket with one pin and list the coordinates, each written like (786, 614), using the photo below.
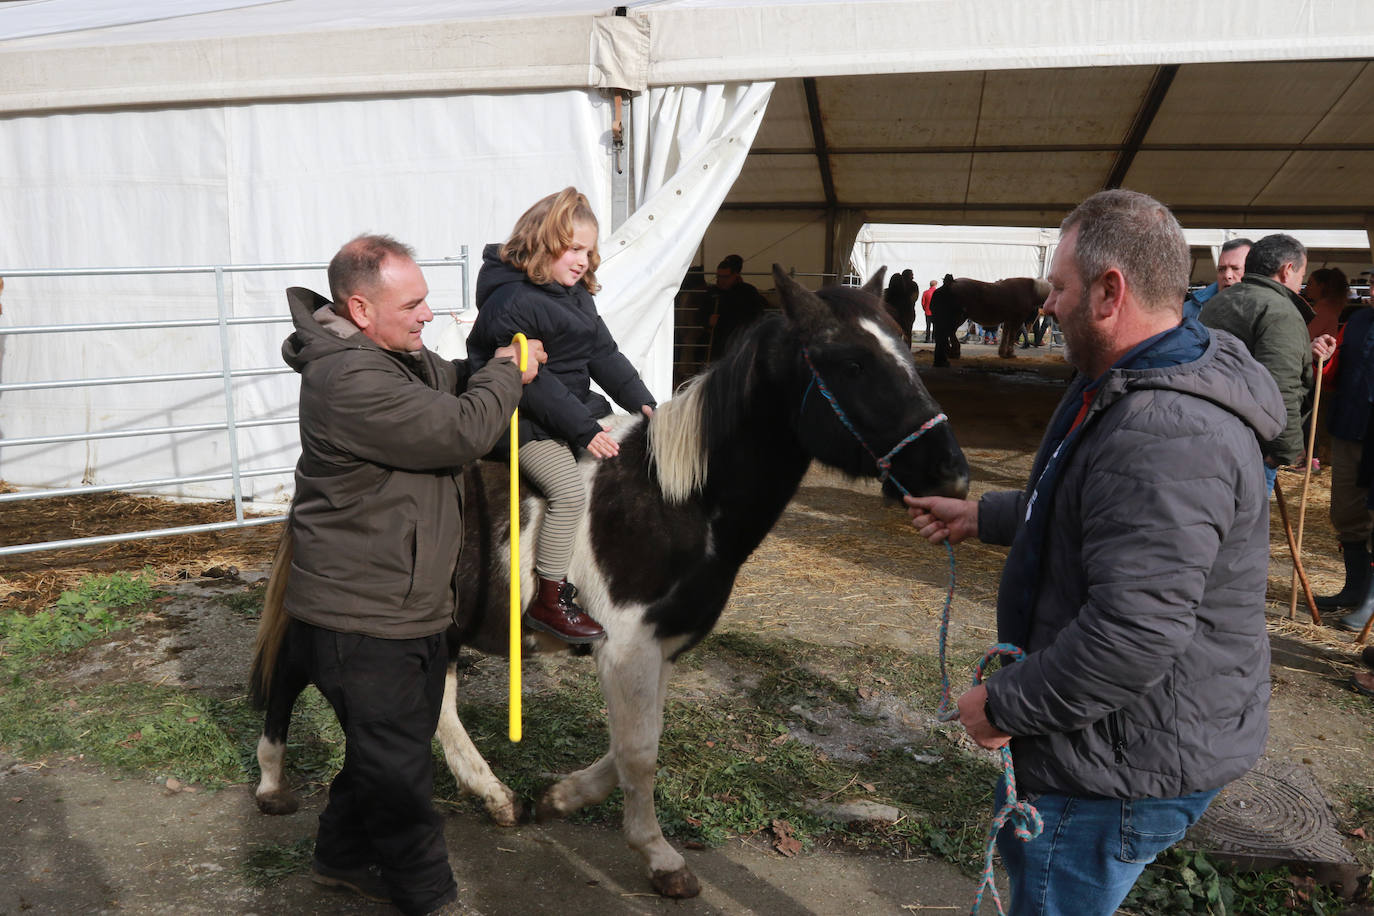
(386, 426)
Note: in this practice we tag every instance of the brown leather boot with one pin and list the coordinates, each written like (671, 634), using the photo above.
(553, 610)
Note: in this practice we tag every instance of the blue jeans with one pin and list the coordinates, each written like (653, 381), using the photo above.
(1270, 475)
(1091, 851)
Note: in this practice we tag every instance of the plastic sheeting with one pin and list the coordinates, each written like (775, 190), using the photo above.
(981, 252)
(306, 48)
(290, 182)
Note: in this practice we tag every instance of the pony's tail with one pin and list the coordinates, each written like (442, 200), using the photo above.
(271, 625)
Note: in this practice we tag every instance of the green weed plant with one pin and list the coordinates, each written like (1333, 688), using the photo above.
(79, 616)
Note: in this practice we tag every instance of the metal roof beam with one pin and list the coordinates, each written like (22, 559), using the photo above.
(813, 108)
(1144, 117)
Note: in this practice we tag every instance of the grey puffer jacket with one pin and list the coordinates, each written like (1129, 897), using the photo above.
(377, 519)
(1148, 667)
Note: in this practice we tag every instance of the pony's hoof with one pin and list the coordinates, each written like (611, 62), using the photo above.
(508, 814)
(278, 802)
(546, 811)
(678, 884)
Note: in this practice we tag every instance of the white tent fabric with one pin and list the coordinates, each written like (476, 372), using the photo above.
(981, 252)
(994, 252)
(289, 182)
(292, 48)
(690, 143)
(240, 131)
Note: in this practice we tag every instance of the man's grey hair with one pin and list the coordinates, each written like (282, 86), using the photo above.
(1269, 254)
(1233, 244)
(358, 266)
(1138, 236)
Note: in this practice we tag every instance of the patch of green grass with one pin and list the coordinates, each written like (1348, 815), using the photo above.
(728, 766)
(1357, 810)
(1187, 881)
(161, 731)
(247, 602)
(79, 616)
(266, 865)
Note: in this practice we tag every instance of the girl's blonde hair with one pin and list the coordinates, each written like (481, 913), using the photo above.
(545, 231)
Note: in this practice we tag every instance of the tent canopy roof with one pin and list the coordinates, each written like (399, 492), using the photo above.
(941, 111)
(1232, 144)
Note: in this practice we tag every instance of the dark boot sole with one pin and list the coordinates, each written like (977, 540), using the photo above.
(344, 884)
(572, 640)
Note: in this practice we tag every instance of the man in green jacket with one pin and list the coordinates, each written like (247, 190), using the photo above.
(1267, 313)
(386, 426)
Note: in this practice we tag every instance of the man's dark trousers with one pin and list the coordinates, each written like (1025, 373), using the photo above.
(387, 695)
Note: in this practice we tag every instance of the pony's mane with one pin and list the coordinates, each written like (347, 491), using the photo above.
(699, 417)
(677, 447)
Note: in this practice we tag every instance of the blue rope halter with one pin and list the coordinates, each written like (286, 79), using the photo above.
(885, 461)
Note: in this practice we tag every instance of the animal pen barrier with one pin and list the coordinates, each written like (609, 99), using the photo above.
(230, 426)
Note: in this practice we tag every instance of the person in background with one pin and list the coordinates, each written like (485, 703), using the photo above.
(1349, 379)
(1328, 292)
(1230, 271)
(925, 306)
(1136, 577)
(1269, 316)
(732, 305)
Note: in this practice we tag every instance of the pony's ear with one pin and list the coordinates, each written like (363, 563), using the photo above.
(874, 286)
(804, 307)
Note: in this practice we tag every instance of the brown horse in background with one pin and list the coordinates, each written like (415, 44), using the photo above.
(1009, 303)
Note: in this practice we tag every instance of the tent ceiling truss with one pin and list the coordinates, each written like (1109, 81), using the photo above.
(1290, 140)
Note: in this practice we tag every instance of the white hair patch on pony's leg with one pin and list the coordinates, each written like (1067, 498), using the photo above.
(270, 757)
(469, 769)
(893, 345)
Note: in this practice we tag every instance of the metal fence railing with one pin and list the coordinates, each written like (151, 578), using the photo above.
(230, 426)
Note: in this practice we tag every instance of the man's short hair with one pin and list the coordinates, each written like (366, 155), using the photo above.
(1138, 236)
(358, 265)
(1233, 244)
(1269, 254)
(731, 262)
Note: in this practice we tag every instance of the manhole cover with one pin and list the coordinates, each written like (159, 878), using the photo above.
(1276, 811)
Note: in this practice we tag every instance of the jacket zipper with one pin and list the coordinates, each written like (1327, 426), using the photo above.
(1118, 736)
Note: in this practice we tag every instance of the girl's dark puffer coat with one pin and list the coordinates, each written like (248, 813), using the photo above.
(559, 403)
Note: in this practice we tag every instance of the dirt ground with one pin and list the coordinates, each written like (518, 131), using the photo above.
(841, 567)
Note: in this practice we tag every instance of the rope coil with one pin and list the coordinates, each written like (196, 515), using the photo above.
(1025, 820)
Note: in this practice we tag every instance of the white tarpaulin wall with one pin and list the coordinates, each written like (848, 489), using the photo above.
(234, 131)
(980, 252)
(994, 252)
(289, 182)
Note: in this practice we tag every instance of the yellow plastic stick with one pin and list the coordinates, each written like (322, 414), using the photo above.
(515, 734)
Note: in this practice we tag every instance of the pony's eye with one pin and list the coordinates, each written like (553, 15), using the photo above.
(853, 369)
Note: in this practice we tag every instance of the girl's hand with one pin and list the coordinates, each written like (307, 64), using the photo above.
(603, 446)
(647, 410)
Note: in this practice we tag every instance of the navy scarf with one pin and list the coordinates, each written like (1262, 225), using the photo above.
(1181, 344)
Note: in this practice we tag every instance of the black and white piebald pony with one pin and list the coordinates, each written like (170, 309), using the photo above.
(670, 521)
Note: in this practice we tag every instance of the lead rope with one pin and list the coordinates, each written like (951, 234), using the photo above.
(1023, 815)
(1026, 820)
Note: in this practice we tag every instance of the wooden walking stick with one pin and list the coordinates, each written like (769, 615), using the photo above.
(1297, 561)
(1306, 479)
